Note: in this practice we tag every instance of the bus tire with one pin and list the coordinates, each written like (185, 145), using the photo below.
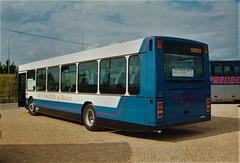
(90, 118)
(32, 108)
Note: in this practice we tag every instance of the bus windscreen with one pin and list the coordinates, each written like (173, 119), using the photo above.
(182, 60)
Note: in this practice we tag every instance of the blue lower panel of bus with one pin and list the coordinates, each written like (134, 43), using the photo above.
(129, 110)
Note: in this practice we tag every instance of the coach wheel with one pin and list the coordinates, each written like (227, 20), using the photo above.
(90, 118)
(32, 108)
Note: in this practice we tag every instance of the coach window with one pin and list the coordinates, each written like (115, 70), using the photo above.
(113, 76)
(237, 70)
(134, 75)
(216, 70)
(41, 80)
(31, 83)
(228, 69)
(68, 78)
(88, 77)
(53, 79)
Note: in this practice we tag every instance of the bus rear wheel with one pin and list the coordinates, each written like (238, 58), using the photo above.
(32, 108)
(90, 118)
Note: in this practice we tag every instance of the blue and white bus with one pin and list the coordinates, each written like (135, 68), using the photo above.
(146, 84)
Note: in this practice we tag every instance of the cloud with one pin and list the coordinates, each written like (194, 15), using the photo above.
(30, 53)
(213, 22)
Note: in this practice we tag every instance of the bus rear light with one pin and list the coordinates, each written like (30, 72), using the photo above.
(160, 115)
(159, 43)
(208, 105)
(206, 49)
(159, 110)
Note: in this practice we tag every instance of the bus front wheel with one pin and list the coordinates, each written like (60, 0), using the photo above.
(90, 118)
(32, 108)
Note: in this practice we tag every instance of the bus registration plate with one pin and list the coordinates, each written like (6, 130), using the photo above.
(182, 72)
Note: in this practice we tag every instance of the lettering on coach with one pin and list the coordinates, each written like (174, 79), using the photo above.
(55, 97)
(186, 99)
(225, 80)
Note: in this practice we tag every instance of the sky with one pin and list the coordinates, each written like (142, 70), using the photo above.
(108, 22)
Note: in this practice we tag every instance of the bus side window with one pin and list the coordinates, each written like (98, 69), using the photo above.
(113, 76)
(150, 45)
(227, 70)
(53, 79)
(41, 80)
(68, 78)
(217, 70)
(134, 75)
(237, 70)
(87, 77)
(31, 82)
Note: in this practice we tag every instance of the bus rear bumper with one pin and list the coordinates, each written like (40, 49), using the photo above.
(162, 125)
(126, 126)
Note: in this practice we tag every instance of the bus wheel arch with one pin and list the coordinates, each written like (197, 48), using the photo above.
(89, 117)
(31, 107)
(30, 98)
(84, 105)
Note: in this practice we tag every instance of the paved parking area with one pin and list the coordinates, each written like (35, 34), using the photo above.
(28, 138)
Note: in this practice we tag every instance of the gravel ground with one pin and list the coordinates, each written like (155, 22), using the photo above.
(28, 138)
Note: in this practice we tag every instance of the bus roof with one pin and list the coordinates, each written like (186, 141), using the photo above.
(130, 47)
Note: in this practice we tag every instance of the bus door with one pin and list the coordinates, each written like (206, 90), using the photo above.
(22, 90)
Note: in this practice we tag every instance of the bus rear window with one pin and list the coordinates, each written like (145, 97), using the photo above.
(182, 60)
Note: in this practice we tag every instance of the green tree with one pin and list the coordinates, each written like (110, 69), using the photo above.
(4, 68)
(13, 68)
(1, 68)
